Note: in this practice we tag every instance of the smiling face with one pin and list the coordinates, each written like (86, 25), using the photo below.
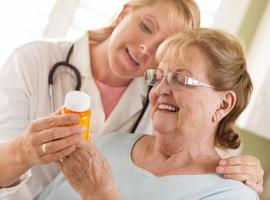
(185, 108)
(134, 41)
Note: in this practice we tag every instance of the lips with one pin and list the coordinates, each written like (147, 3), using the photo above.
(132, 58)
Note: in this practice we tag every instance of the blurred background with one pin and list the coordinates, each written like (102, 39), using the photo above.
(22, 21)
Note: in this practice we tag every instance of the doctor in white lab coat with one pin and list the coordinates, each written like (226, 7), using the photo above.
(25, 97)
(24, 92)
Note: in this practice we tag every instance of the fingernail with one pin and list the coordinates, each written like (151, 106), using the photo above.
(220, 169)
(222, 162)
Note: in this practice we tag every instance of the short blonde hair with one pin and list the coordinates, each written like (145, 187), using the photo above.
(228, 71)
(181, 8)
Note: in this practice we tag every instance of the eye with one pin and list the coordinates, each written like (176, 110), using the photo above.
(145, 28)
(180, 79)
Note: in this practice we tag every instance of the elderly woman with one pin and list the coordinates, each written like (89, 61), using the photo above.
(200, 88)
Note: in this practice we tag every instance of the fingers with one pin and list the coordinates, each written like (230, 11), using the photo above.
(255, 186)
(237, 169)
(241, 164)
(241, 172)
(53, 121)
(50, 138)
(47, 158)
(58, 145)
(243, 168)
(241, 177)
(238, 160)
(59, 133)
(58, 142)
(85, 153)
(85, 145)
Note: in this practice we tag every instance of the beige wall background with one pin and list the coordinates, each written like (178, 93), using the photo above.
(255, 144)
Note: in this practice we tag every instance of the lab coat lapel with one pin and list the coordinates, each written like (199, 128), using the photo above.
(82, 61)
(130, 104)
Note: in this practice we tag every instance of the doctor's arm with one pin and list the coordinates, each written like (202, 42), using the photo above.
(26, 150)
(20, 141)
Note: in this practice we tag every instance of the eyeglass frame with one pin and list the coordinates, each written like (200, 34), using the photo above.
(169, 77)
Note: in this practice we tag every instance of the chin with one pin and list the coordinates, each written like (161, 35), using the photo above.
(163, 127)
(164, 123)
(124, 73)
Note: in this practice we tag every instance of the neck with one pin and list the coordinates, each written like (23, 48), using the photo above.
(171, 144)
(176, 154)
(100, 67)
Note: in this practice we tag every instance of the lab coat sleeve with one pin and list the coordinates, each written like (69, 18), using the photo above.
(14, 96)
(14, 106)
(6, 192)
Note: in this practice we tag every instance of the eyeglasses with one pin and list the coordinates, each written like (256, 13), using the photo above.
(176, 79)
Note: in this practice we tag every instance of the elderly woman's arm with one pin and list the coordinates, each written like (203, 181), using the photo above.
(89, 173)
(243, 168)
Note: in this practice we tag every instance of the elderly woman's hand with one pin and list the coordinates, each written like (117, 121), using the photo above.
(243, 168)
(89, 173)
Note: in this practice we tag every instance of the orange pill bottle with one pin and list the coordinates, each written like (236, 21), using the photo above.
(77, 102)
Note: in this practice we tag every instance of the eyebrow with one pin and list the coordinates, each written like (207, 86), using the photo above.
(152, 20)
(191, 75)
(184, 70)
(178, 71)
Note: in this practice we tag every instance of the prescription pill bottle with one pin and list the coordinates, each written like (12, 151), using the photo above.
(77, 102)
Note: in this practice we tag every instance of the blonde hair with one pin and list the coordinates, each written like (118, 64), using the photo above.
(228, 71)
(181, 8)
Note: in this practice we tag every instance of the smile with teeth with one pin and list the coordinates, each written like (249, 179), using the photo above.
(132, 57)
(168, 107)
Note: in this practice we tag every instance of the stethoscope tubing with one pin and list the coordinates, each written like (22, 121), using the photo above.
(52, 73)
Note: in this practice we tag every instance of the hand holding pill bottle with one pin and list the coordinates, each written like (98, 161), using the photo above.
(77, 102)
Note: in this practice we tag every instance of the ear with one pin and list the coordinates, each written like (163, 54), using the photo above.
(122, 14)
(227, 103)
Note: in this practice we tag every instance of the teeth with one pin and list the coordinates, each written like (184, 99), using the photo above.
(168, 107)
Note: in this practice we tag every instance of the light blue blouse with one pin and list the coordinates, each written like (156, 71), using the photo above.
(134, 183)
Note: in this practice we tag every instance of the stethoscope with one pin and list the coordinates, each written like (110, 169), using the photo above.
(77, 81)
(77, 78)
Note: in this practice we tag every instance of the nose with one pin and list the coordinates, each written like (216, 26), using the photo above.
(144, 49)
(149, 47)
(163, 87)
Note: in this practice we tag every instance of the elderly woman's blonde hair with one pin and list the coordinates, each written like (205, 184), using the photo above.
(227, 71)
(182, 10)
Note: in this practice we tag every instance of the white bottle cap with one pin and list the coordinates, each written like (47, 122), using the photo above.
(77, 101)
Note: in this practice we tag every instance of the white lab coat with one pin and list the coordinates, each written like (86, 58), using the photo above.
(24, 97)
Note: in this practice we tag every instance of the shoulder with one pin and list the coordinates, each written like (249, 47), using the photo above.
(33, 60)
(229, 189)
(50, 49)
(43, 49)
(117, 141)
(239, 190)
(116, 138)
(38, 56)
